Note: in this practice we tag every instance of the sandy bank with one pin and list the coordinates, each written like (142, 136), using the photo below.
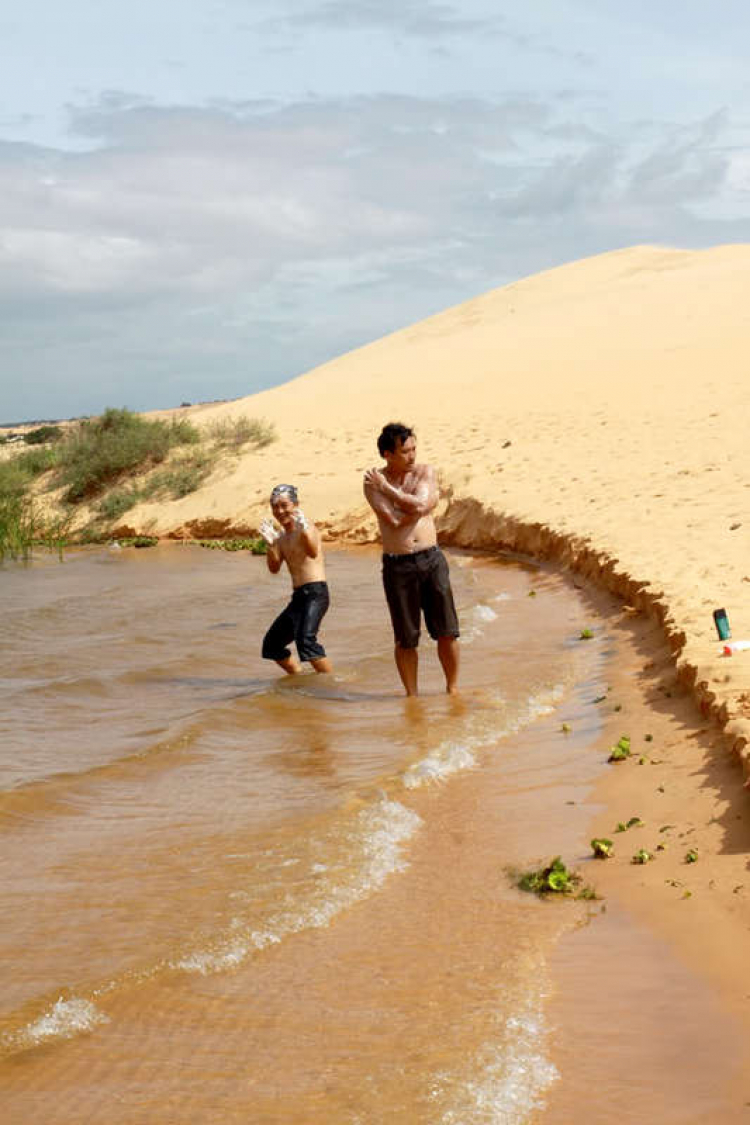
(594, 414)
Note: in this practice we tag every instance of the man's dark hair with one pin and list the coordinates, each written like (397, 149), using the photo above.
(392, 435)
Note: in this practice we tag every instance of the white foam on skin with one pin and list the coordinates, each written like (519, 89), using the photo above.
(64, 1019)
(451, 757)
(374, 852)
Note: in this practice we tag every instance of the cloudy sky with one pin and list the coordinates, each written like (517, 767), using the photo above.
(203, 198)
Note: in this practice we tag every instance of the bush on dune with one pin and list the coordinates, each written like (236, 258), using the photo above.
(233, 433)
(43, 434)
(101, 450)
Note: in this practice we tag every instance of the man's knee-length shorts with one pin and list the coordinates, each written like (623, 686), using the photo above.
(419, 583)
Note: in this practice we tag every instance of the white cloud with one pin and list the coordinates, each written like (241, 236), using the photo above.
(211, 223)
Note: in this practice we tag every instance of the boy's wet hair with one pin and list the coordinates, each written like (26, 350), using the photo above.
(392, 435)
(284, 490)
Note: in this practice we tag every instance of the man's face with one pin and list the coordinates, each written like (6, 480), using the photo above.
(283, 510)
(404, 456)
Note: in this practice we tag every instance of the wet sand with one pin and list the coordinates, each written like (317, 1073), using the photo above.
(636, 989)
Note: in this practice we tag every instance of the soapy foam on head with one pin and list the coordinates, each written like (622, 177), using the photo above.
(284, 490)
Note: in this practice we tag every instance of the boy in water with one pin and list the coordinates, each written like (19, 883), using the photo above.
(298, 544)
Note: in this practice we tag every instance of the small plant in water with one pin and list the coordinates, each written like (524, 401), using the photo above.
(620, 751)
(555, 878)
(586, 634)
(634, 822)
(601, 847)
(254, 546)
(642, 856)
(138, 541)
(691, 856)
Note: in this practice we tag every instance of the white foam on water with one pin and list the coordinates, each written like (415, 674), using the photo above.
(64, 1019)
(473, 620)
(373, 851)
(510, 1081)
(446, 759)
(484, 613)
(504, 1083)
(452, 756)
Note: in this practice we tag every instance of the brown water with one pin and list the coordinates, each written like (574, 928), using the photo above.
(228, 896)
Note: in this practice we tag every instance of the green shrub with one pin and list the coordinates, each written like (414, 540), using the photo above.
(21, 527)
(233, 433)
(101, 450)
(120, 500)
(183, 432)
(34, 462)
(14, 480)
(43, 434)
(17, 525)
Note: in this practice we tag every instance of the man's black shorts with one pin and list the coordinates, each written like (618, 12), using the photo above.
(299, 622)
(419, 582)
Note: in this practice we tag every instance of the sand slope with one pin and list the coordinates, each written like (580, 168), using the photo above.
(595, 413)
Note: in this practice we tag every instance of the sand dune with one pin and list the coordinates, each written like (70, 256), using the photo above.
(594, 413)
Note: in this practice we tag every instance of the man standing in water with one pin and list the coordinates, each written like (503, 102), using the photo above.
(299, 546)
(415, 572)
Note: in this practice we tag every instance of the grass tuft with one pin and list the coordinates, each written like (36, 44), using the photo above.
(233, 433)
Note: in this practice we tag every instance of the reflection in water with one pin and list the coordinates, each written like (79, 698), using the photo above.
(310, 752)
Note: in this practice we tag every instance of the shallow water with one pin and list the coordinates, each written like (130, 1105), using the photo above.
(233, 896)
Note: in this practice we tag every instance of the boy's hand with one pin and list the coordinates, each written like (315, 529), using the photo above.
(268, 532)
(300, 520)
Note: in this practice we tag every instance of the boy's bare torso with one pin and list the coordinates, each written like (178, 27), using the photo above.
(302, 568)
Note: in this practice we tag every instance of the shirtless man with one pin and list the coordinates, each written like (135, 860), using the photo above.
(415, 572)
(299, 546)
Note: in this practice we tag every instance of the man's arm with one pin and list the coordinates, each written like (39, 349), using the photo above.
(418, 502)
(384, 508)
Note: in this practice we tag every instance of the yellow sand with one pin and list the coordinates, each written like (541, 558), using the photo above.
(595, 413)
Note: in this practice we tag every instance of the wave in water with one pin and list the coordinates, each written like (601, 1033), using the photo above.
(63, 1020)
(506, 1079)
(455, 755)
(378, 835)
